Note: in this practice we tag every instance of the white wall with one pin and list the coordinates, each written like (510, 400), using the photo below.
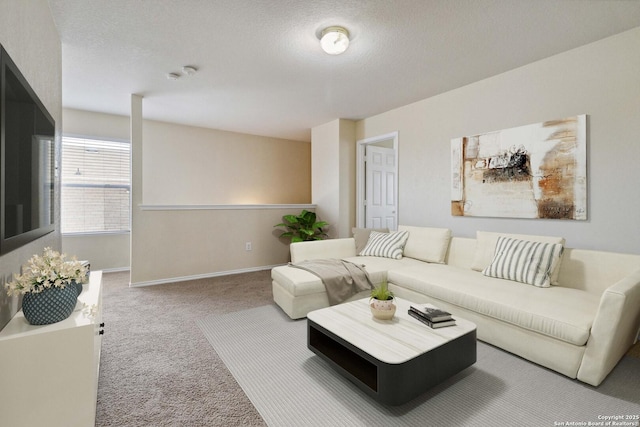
(601, 80)
(28, 34)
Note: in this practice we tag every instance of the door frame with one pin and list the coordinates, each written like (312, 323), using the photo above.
(360, 173)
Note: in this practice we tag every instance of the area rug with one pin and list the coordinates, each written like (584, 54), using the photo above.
(290, 386)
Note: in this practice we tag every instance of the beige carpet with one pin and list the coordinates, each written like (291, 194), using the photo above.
(157, 368)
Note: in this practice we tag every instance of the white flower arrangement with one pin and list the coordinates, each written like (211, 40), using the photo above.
(46, 271)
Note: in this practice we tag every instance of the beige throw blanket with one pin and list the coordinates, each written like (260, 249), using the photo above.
(341, 278)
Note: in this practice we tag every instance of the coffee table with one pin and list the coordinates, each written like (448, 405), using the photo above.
(395, 360)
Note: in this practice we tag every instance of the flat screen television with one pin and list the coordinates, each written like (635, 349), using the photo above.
(27, 161)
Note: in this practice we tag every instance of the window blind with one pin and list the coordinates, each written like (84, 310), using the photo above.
(96, 185)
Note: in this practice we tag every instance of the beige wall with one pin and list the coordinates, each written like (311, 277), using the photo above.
(28, 34)
(177, 167)
(184, 168)
(109, 252)
(191, 165)
(333, 174)
(601, 80)
(186, 244)
(325, 173)
(96, 125)
(347, 211)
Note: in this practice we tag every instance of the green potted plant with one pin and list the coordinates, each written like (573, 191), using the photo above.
(382, 302)
(302, 227)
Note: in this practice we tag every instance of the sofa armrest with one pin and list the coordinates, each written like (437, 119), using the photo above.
(615, 328)
(318, 249)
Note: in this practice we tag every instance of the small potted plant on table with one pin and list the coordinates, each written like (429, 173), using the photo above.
(382, 302)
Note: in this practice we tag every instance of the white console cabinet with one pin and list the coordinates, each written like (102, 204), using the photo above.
(49, 373)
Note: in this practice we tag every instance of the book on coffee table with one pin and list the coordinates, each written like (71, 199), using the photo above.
(434, 325)
(431, 312)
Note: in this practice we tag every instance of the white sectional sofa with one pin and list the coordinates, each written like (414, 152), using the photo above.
(580, 326)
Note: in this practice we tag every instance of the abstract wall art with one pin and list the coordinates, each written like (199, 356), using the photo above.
(533, 171)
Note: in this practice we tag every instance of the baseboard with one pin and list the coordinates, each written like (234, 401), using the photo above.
(201, 276)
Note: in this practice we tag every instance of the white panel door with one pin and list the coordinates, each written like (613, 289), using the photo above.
(380, 188)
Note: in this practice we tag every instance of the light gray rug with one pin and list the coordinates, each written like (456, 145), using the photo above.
(290, 386)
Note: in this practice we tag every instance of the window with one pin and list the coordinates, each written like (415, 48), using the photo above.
(96, 185)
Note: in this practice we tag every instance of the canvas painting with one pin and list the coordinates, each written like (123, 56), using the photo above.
(533, 171)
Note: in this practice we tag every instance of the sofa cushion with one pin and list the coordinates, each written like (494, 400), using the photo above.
(361, 236)
(562, 313)
(387, 245)
(524, 261)
(426, 243)
(486, 246)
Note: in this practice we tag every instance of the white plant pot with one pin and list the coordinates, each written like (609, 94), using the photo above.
(383, 305)
(383, 310)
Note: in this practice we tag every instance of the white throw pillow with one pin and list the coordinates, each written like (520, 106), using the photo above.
(387, 245)
(426, 244)
(524, 261)
(486, 246)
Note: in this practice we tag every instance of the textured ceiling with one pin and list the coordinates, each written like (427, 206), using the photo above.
(261, 69)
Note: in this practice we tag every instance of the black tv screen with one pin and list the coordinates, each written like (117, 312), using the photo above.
(27, 159)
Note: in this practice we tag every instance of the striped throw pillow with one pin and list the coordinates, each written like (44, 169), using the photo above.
(387, 245)
(524, 261)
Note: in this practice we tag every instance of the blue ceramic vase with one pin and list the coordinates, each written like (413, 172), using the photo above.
(49, 306)
(78, 286)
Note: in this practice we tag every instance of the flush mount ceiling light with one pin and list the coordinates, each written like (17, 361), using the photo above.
(173, 76)
(189, 70)
(334, 40)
